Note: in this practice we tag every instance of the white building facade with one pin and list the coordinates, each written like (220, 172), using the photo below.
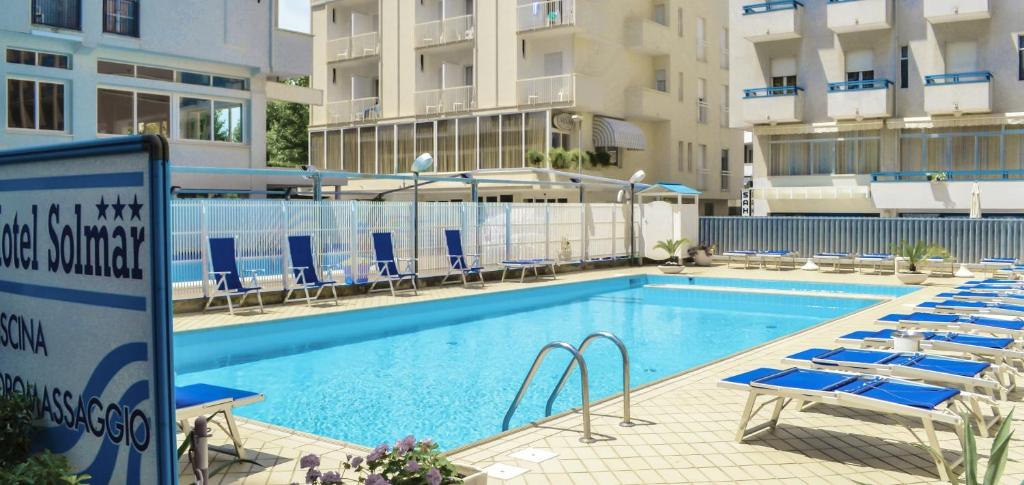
(499, 85)
(881, 107)
(197, 72)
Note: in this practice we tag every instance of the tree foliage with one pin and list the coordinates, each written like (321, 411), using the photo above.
(287, 130)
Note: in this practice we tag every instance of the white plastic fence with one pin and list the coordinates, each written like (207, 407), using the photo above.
(341, 232)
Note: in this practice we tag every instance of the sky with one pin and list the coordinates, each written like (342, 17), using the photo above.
(294, 15)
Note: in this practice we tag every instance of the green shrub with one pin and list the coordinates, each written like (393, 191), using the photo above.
(15, 429)
(536, 158)
(43, 468)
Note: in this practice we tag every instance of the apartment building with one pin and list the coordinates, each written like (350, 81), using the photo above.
(881, 107)
(503, 86)
(197, 72)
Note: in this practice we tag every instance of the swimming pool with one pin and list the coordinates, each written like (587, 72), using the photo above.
(448, 369)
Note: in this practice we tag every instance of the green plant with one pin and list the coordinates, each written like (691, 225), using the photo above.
(15, 429)
(408, 462)
(917, 252)
(600, 158)
(577, 157)
(997, 457)
(559, 158)
(937, 176)
(672, 247)
(536, 157)
(42, 468)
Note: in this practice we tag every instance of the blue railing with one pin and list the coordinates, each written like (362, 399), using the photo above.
(771, 6)
(859, 85)
(958, 78)
(842, 1)
(948, 175)
(772, 91)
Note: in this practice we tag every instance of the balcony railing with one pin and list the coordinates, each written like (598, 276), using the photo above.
(347, 111)
(543, 15)
(62, 14)
(724, 121)
(771, 6)
(859, 85)
(772, 91)
(547, 90)
(723, 60)
(958, 78)
(446, 31)
(702, 111)
(446, 100)
(726, 177)
(354, 47)
(702, 50)
(948, 176)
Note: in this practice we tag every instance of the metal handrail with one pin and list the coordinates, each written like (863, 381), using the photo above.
(625, 374)
(584, 384)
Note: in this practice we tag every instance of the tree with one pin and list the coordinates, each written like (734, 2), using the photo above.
(287, 130)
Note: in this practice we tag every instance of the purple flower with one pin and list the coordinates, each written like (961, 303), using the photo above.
(312, 475)
(377, 453)
(331, 477)
(433, 477)
(309, 461)
(355, 462)
(376, 479)
(406, 444)
(412, 466)
(427, 442)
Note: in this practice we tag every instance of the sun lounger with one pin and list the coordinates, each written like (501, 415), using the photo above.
(878, 262)
(972, 294)
(207, 400)
(993, 265)
(1000, 350)
(960, 306)
(930, 404)
(227, 281)
(524, 265)
(969, 375)
(976, 323)
(457, 259)
(743, 257)
(387, 264)
(938, 266)
(835, 260)
(778, 258)
(302, 272)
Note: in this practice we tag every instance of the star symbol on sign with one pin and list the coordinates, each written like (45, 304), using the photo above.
(101, 209)
(136, 208)
(118, 209)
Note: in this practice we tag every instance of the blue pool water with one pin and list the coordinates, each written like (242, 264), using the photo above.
(448, 369)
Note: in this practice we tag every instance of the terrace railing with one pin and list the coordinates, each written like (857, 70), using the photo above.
(969, 240)
(341, 234)
(545, 90)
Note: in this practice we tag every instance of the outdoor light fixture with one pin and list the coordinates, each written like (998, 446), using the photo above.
(421, 164)
(635, 179)
(638, 177)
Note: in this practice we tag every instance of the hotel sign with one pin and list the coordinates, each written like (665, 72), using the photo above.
(85, 320)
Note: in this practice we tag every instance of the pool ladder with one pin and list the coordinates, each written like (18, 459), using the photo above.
(577, 360)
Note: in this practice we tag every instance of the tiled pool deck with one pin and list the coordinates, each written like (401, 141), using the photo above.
(686, 424)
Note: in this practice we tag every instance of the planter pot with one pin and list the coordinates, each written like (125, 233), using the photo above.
(702, 259)
(671, 268)
(473, 476)
(912, 278)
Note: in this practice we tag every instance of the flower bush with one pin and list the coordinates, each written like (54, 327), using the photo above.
(408, 462)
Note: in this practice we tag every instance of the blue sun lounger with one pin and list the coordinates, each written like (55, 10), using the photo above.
(743, 256)
(879, 262)
(982, 295)
(208, 400)
(778, 258)
(928, 403)
(1000, 350)
(835, 260)
(457, 259)
(977, 323)
(227, 281)
(302, 272)
(961, 306)
(993, 283)
(994, 265)
(387, 264)
(969, 375)
(525, 265)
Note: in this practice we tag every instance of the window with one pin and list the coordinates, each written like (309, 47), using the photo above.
(195, 116)
(725, 175)
(961, 57)
(42, 59)
(186, 77)
(230, 83)
(859, 67)
(156, 73)
(121, 17)
(659, 14)
(35, 105)
(904, 67)
(129, 113)
(169, 75)
(784, 72)
(115, 68)
(681, 157)
(660, 80)
(702, 100)
(724, 121)
(681, 89)
(702, 40)
(689, 157)
(1020, 57)
(227, 121)
(723, 48)
(334, 75)
(679, 21)
(824, 154)
(992, 148)
(62, 14)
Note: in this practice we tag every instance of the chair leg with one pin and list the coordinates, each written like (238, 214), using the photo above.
(464, 282)
(236, 438)
(503, 273)
(231, 309)
(305, 291)
(415, 288)
(933, 441)
(391, 284)
(748, 410)
(259, 298)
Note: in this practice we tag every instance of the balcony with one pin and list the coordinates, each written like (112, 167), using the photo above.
(1000, 190)
(773, 105)
(942, 11)
(359, 46)
(772, 20)
(446, 31)
(545, 15)
(856, 100)
(58, 14)
(549, 90)
(958, 93)
(444, 101)
(354, 110)
(648, 104)
(859, 15)
(649, 37)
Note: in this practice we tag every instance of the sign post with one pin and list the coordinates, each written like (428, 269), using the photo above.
(85, 324)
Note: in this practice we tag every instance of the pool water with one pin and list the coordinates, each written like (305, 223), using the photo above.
(448, 369)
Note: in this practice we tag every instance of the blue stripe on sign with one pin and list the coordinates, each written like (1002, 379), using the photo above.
(93, 298)
(91, 181)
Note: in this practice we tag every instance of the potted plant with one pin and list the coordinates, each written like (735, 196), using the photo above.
(702, 254)
(937, 176)
(536, 157)
(565, 250)
(672, 247)
(559, 159)
(407, 462)
(913, 254)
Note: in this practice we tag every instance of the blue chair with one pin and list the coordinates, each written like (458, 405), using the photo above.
(998, 350)
(387, 264)
(303, 272)
(457, 262)
(208, 400)
(226, 277)
(975, 323)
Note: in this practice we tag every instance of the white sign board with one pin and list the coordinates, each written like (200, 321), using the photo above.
(85, 321)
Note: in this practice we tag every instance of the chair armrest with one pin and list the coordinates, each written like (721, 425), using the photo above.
(298, 267)
(218, 273)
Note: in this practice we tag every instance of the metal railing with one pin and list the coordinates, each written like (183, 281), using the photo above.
(772, 91)
(62, 14)
(865, 84)
(546, 90)
(542, 15)
(348, 111)
(948, 175)
(626, 418)
(354, 47)
(724, 121)
(584, 386)
(447, 100)
(726, 177)
(341, 234)
(723, 58)
(958, 78)
(771, 6)
(702, 50)
(445, 31)
(969, 240)
(702, 111)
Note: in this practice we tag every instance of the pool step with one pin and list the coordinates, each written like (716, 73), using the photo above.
(767, 291)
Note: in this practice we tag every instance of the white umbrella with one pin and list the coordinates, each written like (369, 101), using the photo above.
(975, 201)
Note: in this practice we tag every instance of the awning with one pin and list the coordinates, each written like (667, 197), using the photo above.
(610, 132)
(668, 189)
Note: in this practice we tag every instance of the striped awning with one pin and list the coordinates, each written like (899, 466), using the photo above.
(609, 132)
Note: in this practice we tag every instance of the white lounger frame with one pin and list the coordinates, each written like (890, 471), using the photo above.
(960, 327)
(525, 266)
(211, 409)
(1006, 358)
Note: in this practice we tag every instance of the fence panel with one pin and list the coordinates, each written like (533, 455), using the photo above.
(969, 240)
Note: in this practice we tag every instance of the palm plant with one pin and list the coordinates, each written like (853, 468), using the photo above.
(915, 253)
(672, 247)
(997, 457)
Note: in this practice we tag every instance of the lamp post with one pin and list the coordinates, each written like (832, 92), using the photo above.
(578, 121)
(635, 179)
(421, 164)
